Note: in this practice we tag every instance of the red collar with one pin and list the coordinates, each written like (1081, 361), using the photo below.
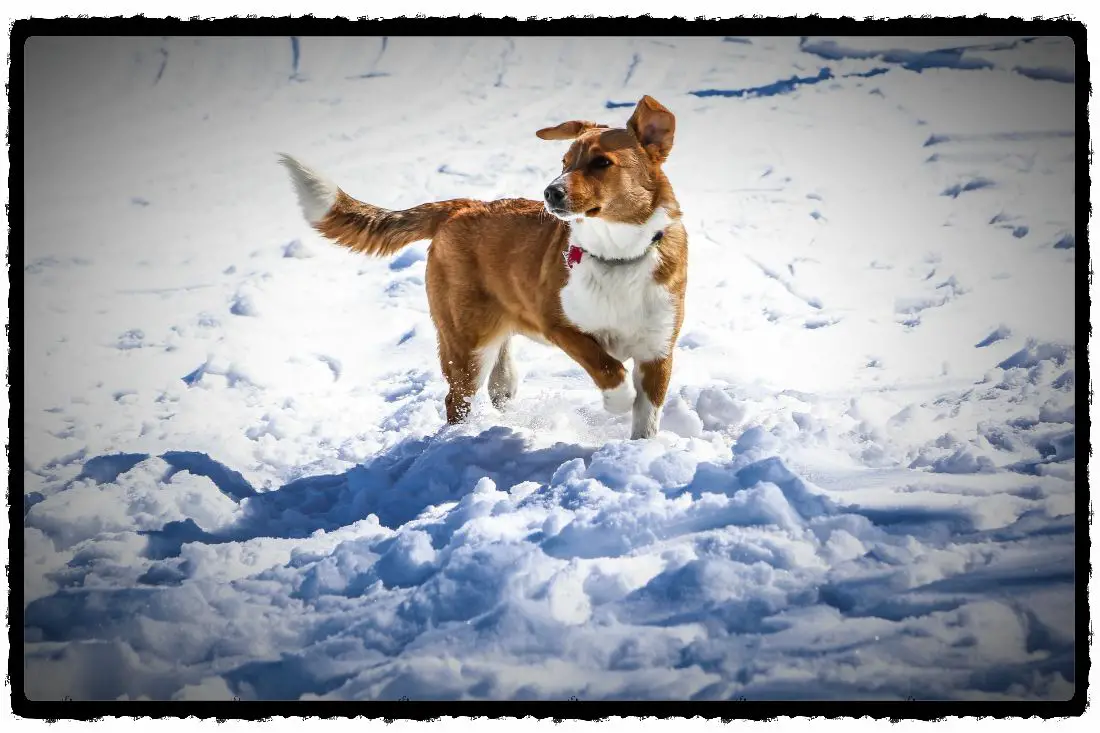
(574, 254)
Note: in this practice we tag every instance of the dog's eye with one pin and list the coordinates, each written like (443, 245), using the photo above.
(601, 162)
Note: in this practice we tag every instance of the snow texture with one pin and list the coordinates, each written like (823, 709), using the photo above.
(236, 482)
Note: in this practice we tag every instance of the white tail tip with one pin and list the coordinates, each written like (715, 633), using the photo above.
(316, 194)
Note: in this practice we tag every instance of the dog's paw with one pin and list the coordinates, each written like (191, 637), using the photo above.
(620, 399)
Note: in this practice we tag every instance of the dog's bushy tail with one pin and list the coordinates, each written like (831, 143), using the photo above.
(358, 225)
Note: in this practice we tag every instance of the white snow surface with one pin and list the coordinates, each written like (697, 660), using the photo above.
(237, 482)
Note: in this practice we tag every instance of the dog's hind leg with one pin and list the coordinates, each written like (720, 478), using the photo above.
(461, 368)
(504, 379)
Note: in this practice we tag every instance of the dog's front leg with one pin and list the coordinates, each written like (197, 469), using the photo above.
(651, 380)
(606, 371)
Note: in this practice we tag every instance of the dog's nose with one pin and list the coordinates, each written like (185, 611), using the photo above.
(555, 194)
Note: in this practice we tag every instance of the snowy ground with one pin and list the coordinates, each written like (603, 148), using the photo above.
(235, 477)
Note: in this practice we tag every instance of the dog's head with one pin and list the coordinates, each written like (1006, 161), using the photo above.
(612, 173)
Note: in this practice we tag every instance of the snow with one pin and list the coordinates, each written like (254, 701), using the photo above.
(236, 479)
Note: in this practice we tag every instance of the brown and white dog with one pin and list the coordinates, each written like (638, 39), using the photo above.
(602, 277)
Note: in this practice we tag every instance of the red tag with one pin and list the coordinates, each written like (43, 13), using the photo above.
(573, 256)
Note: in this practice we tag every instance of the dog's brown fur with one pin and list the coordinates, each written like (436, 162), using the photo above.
(497, 267)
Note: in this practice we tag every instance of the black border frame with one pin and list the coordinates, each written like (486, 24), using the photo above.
(23, 29)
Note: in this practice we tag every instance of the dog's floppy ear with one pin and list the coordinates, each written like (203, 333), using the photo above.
(654, 126)
(567, 130)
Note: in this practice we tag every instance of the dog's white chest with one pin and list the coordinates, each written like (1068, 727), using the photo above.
(620, 305)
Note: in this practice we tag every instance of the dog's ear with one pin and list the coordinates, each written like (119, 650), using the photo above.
(654, 126)
(567, 130)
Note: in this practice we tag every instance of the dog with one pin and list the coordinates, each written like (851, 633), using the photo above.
(598, 268)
